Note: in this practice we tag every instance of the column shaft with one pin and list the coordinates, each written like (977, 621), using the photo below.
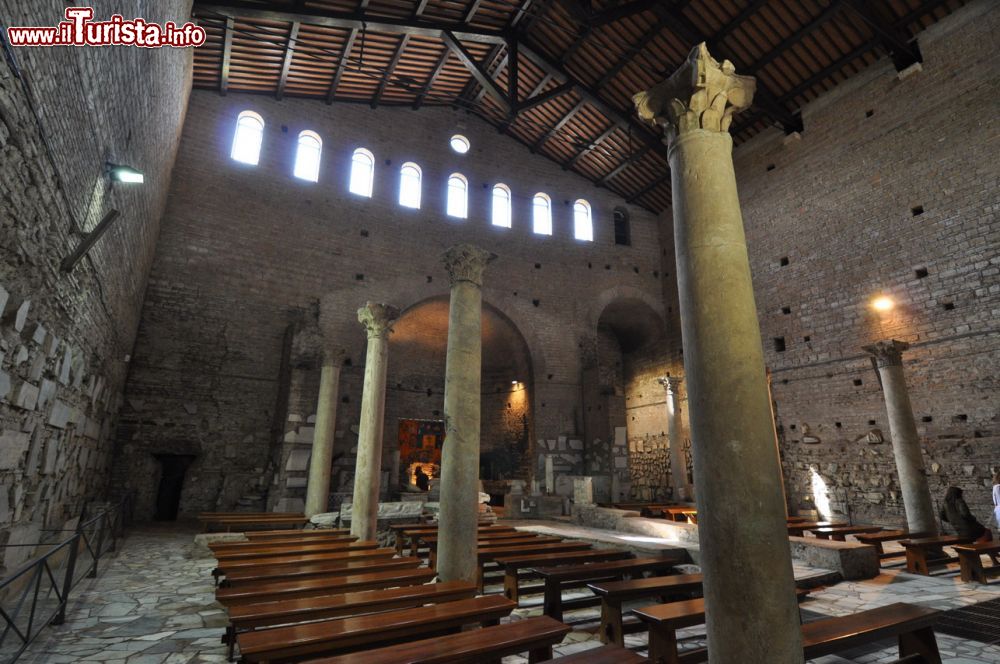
(678, 464)
(318, 488)
(457, 558)
(377, 318)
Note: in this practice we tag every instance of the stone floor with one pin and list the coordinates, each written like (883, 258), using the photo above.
(153, 604)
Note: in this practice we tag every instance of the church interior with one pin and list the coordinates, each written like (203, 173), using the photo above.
(508, 331)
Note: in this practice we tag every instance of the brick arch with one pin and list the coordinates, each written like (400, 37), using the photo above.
(621, 293)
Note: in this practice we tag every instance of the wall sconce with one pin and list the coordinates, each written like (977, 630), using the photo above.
(119, 173)
(883, 303)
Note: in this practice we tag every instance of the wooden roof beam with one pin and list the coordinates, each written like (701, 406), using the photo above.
(293, 34)
(649, 187)
(628, 161)
(432, 79)
(390, 69)
(903, 51)
(572, 161)
(540, 143)
(227, 54)
(348, 45)
(482, 77)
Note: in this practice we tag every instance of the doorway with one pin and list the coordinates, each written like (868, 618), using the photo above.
(168, 496)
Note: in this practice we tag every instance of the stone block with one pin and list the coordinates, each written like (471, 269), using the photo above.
(16, 313)
(298, 460)
(4, 298)
(12, 446)
(621, 436)
(25, 396)
(4, 383)
(62, 413)
(51, 455)
(28, 533)
(576, 445)
(288, 504)
(295, 483)
(46, 391)
(583, 490)
(390, 511)
(202, 540)
(65, 366)
(851, 559)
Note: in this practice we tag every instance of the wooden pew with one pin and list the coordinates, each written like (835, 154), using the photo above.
(840, 533)
(416, 534)
(796, 519)
(970, 561)
(285, 561)
(202, 516)
(615, 593)
(513, 566)
(910, 623)
(681, 513)
(526, 538)
(274, 550)
(536, 636)
(258, 575)
(799, 528)
(248, 617)
(607, 654)
(295, 643)
(491, 553)
(922, 553)
(276, 535)
(878, 539)
(249, 522)
(324, 585)
(566, 576)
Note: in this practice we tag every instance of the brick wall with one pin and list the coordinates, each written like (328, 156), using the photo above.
(65, 338)
(244, 248)
(891, 189)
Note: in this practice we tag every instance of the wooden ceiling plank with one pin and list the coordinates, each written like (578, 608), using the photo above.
(227, 54)
(432, 79)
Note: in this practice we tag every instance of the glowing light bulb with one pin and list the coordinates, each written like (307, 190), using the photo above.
(883, 303)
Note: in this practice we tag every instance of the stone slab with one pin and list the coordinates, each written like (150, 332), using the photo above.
(13, 444)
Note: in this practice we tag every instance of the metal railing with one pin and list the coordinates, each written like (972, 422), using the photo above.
(37, 594)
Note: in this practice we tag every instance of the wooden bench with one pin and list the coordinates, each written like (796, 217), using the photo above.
(528, 538)
(566, 576)
(257, 575)
(299, 642)
(911, 623)
(243, 523)
(484, 532)
(799, 528)
(922, 553)
(254, 563)
(880, 538)
(970, 561)
(796, 519)
(276, 535)
(607, 654)
(680, 513)
(615, 593)
(324, 585)
(536, 636)
(292, 549)
(248, 617)
(840, 533)
(491, 553)
(514, 565)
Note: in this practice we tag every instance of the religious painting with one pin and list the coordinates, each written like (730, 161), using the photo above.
(420, 443)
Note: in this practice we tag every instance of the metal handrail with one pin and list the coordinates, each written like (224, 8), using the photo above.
(108, 528)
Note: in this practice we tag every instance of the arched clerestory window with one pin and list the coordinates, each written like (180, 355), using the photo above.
(362, 172)
(583, 223)
(409, 185)
(541, 206)
(307, 156)
(248, 138)
(501, 205)
(458, 196)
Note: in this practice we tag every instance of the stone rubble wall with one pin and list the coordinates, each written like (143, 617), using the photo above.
(65, 339)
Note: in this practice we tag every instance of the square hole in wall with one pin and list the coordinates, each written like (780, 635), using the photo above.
(869, 113)
(770, 167)
(786, 310)
(838, 425)
(948, 306)
(960, 418)
(871, 423)
(779, 344)
(359, 277)
(536, 302)
(792, 427)
(538, 266)
(857, 382)
(920, 272)
(806, 338)
(927, 418)
(364, 233)
(783, 261)
(917, 210)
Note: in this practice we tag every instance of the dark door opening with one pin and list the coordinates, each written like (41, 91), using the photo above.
(168, 495)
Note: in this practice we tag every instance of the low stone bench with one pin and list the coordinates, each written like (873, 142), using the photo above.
(851, 560)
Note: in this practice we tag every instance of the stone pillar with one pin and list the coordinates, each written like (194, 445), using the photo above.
(318, 488)
(678, 464)
(377, 319)
(456, 559)
(905, 442)
(750, 606)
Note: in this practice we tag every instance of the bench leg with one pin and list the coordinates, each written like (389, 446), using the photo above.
(916, 561)
(399, 543)
(972, 567)
(479, 579)
(663, 645)
(612, 629)
(510, 589)
(543, 654)
(553, 600)
(920, 642)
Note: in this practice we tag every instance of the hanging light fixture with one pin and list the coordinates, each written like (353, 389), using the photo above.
(119, 173)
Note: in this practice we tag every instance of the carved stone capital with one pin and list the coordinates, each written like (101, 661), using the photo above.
(333, 355)
(377, 319)
(466, 262)
(888, 353)
(672, 384)
(701, 94)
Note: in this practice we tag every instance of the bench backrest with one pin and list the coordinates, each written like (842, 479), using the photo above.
(324, 585)
(256, 575)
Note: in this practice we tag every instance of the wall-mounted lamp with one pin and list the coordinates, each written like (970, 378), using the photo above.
(514, 382)
(88, 241)
(119, 173)
(883, 303)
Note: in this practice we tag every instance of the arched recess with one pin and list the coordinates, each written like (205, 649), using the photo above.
(415, 393)
(623, 404)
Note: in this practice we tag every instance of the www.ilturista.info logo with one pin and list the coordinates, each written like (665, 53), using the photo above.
(79, 30)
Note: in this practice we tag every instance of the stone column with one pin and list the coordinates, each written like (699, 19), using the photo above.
(751, 610)
(678, 464)
(377, 319)
(905, 442)
(318, 488)
(456, 559)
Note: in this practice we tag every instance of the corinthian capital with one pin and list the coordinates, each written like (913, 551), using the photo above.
(672, 384)
(377, 319)
(701, 94)
(888, 353)
(466, 262)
